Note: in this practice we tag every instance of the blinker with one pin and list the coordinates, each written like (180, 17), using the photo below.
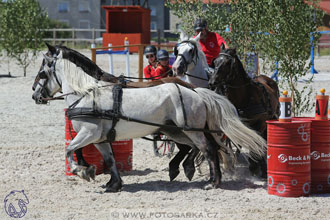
(42, 75)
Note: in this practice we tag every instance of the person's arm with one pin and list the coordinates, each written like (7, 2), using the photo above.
(147, 71)
(221, 41)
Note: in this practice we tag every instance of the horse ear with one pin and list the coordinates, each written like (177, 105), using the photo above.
(197, 37)
(222, 47)
(183, 36)
(51, 48)
(47, 58)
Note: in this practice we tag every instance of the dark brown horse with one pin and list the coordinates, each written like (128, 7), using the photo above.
(256, 100)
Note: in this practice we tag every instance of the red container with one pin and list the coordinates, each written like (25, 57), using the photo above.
(302, 118)
(320, 156)
(123, 152)
(321, 112)
(288, 158)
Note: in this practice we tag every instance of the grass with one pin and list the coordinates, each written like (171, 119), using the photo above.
(324, 52)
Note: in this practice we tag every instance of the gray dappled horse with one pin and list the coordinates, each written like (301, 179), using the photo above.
(103, 111)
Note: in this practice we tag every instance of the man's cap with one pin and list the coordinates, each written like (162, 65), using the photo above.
(200, 24)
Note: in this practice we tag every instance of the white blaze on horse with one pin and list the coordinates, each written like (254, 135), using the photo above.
(102, 112)
(190, 64)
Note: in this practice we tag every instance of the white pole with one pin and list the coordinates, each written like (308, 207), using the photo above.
(110, 60)
(92, 45)
(127, 57)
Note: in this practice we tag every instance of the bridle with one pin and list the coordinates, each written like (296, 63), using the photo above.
(42, 75)
(185, 62)
(223, 85)
(193, 54)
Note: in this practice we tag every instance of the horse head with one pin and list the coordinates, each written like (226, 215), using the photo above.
(187, 55)
(47, 83)
(225, 68)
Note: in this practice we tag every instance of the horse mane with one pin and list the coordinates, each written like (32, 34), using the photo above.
(200, 52)
(87, 65)
(239, 66)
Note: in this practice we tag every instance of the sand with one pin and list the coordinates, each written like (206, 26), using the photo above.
(32, 159)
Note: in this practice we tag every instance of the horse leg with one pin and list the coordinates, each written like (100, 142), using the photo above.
(115, 182)
(189, 163)
(175, 162)
(213, 160)
(210, 152)
(91, 169)
(82, 139)
(258, 167)
(80, 158)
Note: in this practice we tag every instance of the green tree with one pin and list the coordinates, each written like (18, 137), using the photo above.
(20, 24)
(278, 30)
(292, 23)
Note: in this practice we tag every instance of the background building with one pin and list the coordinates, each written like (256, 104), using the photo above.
(89, 13)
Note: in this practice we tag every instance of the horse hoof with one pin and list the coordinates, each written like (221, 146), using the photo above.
(91, 171)
(189, 171)
(85, 175)
(173, 174)
(116, 187)
(208, 186)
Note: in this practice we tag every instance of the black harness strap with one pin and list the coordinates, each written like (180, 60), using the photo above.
(109, 115)
(117, 95)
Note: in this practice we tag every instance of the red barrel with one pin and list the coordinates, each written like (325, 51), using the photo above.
(288, 158)
(123, 152)
(320, 155)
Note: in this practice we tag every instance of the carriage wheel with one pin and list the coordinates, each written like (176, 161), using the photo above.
(163, 146)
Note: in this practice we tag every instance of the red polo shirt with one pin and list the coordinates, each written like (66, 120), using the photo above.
(211, 46)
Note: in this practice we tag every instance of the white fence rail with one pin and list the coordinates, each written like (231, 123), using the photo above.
(77, 33)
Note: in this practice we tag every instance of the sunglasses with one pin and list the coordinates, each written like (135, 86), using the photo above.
(164, 59)
(150, 56)
(199, 30)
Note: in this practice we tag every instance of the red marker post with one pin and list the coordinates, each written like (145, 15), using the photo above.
(321, 111)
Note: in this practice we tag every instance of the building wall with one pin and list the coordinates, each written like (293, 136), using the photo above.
(76, 13)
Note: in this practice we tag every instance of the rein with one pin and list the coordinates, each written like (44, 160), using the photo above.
(61, 97)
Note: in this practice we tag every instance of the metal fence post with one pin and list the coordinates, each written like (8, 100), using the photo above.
(110, 59)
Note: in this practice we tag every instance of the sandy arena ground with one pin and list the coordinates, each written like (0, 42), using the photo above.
(32, 159)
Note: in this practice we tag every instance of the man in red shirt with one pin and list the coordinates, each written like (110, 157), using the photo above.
(210, 42)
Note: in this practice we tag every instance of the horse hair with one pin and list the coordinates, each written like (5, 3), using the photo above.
(86, 64)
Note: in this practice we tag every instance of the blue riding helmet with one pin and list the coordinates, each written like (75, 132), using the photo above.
(162, 55)
(151, 49)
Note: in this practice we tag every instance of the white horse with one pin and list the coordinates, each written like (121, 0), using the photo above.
(103, 112)
(190, 64)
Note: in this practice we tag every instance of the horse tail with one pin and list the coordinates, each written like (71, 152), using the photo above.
(222, 115)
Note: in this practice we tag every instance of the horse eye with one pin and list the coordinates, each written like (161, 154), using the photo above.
(42, 75)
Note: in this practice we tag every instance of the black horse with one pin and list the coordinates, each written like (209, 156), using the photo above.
(256, 100)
